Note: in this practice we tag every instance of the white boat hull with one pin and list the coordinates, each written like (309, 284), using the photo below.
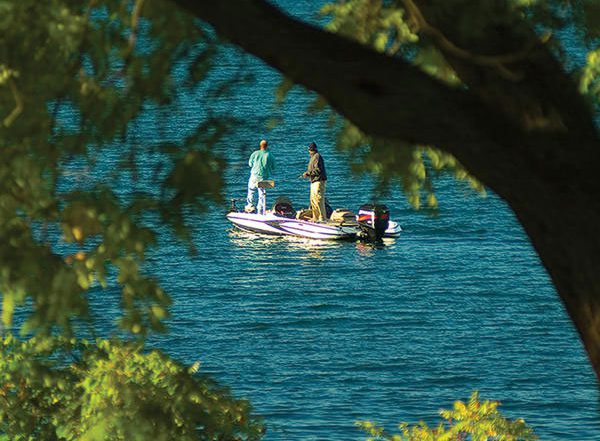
(283, 226)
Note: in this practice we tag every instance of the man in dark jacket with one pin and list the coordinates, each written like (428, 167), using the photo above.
(318, 179)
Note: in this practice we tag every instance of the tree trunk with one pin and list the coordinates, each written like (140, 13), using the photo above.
(545, 170)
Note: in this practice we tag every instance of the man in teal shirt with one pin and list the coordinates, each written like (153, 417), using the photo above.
(262, 167)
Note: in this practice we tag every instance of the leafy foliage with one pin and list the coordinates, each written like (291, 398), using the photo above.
(75, 78)
(590, 79)
(415, 167)
(110, 61)
(471, 421)
(108, 390)
(377, 24)
(387, 28)
(398, 29)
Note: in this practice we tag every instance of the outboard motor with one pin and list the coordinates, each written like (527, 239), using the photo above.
(373, 220)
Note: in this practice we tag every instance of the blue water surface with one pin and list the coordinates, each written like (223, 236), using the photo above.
(318, 335)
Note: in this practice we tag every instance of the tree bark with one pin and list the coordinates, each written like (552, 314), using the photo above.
(546, 170)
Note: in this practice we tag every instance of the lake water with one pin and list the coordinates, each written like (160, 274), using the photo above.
(318, 335)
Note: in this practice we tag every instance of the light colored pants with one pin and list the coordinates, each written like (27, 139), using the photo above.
(262, 194)
(317, 200)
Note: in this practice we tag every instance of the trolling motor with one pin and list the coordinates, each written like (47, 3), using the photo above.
(373, 220)
(233, 206)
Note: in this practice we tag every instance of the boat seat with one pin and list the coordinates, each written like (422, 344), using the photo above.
(283, 208)
(343, 215)
(266, 184)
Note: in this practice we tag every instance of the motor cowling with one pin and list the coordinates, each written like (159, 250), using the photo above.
(373, 220)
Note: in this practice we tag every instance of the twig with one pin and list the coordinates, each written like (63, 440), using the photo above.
(496, 61)
(135, 15)
(18, 104)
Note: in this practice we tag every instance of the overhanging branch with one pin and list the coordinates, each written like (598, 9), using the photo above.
(553, 191)
(384, 96)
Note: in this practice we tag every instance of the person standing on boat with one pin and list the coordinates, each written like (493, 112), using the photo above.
(318, 180)
(262, 167)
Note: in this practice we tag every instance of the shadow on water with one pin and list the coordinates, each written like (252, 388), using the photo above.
(369, 249)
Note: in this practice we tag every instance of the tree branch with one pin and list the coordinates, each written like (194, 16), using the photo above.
(389, 97)
(18, 103)
(538, 152)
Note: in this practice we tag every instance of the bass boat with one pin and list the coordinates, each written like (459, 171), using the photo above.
(372, 223)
